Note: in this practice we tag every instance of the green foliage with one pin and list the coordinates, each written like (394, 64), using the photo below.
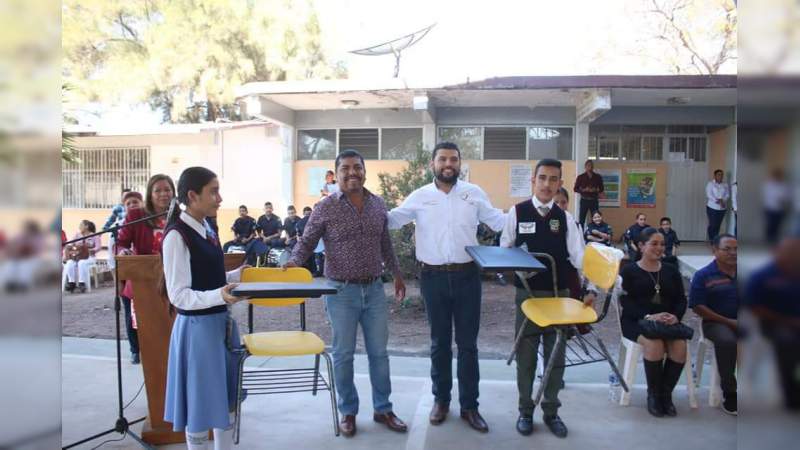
(186, 57)
(395, 188)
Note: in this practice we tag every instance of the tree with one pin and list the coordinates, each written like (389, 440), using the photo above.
(699, 36)
(185, 57)
(395, 188)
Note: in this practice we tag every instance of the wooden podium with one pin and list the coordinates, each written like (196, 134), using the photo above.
(155, 326)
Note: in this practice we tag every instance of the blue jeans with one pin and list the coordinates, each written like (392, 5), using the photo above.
(453, 300)
(366, 305)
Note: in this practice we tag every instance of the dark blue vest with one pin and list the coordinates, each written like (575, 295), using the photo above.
(550, 237)
(206, 260)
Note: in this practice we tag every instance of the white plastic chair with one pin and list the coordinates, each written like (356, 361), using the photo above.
(629, 354)
(714, 386)
(99, 267)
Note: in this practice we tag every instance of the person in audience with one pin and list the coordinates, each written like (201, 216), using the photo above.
(144, 238)
(290, 227)
(598, 230)
(244, 230)
(117, 212)
(130, 201)
(80, 256)
(654, 291)
(300, 226)
(671, 241)
(714, 297)
(717, 195)
(269, 227)
(18, 268)
(632, 234)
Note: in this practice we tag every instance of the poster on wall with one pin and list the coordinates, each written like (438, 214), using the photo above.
(520, 180)
(316, 180)
(641, 188)
(612, 182)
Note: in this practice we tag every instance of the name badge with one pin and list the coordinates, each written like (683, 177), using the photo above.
(527, 227)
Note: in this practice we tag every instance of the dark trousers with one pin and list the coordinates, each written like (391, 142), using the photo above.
(587, 205)
(715, 218)
(453, 299)
(133, 336)
(774, 220)
(528, 357)
(724, 339)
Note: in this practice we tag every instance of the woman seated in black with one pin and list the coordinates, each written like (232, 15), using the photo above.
(654, 291)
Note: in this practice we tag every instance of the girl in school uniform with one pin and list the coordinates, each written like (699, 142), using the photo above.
(202, 367)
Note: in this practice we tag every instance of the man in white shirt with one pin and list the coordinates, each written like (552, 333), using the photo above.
(717, 195)
(541, 226)
(776, 199)
(446, 213)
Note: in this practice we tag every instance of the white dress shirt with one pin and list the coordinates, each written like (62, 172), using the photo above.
(717, 191)
(575, 244)
(178, 274)
(446, 222)
(775, 195)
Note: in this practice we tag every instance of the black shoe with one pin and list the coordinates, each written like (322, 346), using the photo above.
(654, 405)
(70, 287)
(556, 426)
(135, 358)
(525, 425)
(667, 406)
(729, 405)
(82, 287)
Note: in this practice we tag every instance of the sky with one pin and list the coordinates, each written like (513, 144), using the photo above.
(480, 39)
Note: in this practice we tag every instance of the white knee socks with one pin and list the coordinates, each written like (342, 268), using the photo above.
(196, 441)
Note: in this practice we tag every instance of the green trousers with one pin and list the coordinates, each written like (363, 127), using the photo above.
(528, 356)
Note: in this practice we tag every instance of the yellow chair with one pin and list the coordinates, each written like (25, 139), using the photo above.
(283, 343)
(600, 267)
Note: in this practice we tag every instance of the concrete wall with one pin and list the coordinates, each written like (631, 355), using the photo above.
(492, 176)
(672, 115)
(506, 116)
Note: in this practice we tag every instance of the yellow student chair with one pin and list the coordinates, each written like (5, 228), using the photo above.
(600, 267)
(283, 343)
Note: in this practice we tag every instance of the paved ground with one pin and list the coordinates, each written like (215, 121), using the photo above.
(294, 421)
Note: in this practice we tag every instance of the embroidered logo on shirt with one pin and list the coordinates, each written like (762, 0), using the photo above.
(555, 225)
(527, 227)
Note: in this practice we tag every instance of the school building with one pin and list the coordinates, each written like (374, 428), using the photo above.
(655, 139)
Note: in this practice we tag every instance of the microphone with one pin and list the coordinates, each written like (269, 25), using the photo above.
(174, 208)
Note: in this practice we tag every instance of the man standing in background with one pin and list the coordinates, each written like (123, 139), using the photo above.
(717, 195)
(589, 185)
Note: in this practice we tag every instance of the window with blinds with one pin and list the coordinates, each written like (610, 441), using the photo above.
(504, 143)
(362, 140)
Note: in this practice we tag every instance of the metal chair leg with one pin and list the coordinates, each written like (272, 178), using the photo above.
(332, 388)
(239, 400)
(516, 342)
(316, 374)
(611, 362)
(560, 341)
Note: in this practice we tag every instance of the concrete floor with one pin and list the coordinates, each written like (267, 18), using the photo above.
(292, 421)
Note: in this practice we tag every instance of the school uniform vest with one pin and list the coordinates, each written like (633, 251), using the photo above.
(550, 237)
(206, 262)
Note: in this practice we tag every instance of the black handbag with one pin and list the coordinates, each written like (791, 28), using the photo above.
(653, 329)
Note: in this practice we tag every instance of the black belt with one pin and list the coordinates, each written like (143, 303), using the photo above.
(366, 281)
(202, 312)
(455, 267)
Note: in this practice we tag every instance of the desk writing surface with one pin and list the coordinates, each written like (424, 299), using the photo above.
(500, 259)
(284, 290)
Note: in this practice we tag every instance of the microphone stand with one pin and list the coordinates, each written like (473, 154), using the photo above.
(122, 424)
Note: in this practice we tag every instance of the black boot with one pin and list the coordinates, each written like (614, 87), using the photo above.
(672, 373)
(653, 372)
(70, 287)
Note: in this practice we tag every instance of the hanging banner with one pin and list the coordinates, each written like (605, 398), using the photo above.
(641, 188)
(612, 181)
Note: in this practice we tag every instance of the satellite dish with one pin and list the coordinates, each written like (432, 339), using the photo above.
(395, 46)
